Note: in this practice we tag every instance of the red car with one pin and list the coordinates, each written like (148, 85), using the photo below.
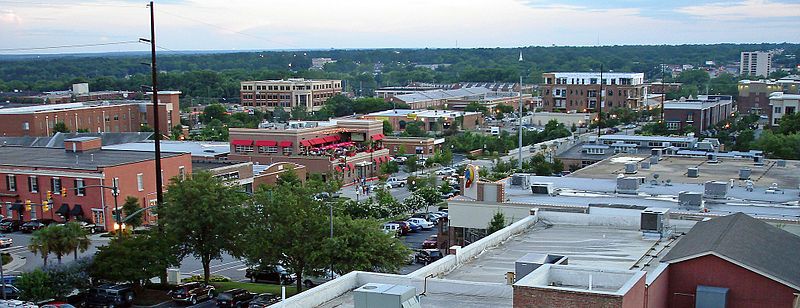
(430, 242)
(405, 228)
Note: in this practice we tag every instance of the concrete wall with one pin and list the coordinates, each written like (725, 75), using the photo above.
(605, 218)
(477, 215)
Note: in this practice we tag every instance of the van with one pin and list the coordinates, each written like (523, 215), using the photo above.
(391, 228)
(495, 130)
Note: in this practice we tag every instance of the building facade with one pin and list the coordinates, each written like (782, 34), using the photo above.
(782, 104)
(458, 99)
(421, 146)
(755, 63)
(71, 178)
(96, 116)
(268, 94)
(433, 120)
(701, 114)
(581, 91)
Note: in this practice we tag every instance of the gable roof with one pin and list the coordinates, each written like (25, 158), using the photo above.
(744, 241)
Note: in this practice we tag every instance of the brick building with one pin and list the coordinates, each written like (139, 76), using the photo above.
(268, 94)
(345, 149)
(424, 146)
(754, 94)
(581, 91)
(95, 116)
(433, 120)
(27, 174)
(701, 113)
(458, 99)
(554, 286)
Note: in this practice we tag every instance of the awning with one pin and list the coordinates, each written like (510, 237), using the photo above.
(376, 160)
(377, 137)
(346, 168)
(305, 143)
(351, 166)
(386, 159)
(339, 169)
(77, 210)
(17, 206)
(337, 137)
(285, 144)
(329, 139)
(63, 209)
(241, 142)
(266, 143)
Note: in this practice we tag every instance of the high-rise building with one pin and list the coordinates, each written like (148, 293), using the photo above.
(268, 94)
(755, 63)
(581, 91)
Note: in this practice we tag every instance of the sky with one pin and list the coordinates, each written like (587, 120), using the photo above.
(325, 24)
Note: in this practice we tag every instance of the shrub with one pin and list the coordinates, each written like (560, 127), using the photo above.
(213, 278)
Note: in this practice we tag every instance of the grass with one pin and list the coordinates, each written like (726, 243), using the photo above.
(7, 258)
(254, 287)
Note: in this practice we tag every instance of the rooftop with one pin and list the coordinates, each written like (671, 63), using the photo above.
(582, 279)
(421, 113)
(68, 106)
(443, 94)
(198, 165)
(57, 140)
(207, 149)
(59, 158)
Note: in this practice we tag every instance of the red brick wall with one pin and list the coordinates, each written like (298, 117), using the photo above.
(92, 119)
(635, 298)
(527, 297)
(92, 197)
(658, 291)
(746, 288)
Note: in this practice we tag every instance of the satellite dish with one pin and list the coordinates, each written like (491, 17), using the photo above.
(655, 176)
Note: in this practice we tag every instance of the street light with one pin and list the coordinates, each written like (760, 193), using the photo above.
(115, 193)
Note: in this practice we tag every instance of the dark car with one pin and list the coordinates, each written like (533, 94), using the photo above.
(34, 225)
(235, 298)
(430, 242)
(270, 273)
(110, 295)
(192, 292)
(264, 300)
(405, 227)
(428, 256)
(11, 291)
(9, 225)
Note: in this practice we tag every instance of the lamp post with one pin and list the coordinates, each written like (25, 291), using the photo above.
(115, 193)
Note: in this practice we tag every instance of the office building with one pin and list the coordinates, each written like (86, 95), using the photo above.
(580, 92)
(782, 104)
(755, 63)
(432, 120)
(701, 113)
(289, 93)
(458, 99)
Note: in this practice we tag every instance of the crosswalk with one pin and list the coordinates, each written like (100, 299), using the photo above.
(15, 249)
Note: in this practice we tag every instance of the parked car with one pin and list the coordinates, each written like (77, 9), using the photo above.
(271, 273)
(424, 224)
(310, 281)
(447, 195)
(6, 242)
(17, 304)
(234, 298)
(264, 300)
(90, 227)
(392, 228)
(192, 292)
(400, 159)
(9, 225)
(34, 225)
(57, 305)
(427, 216)
(396, 182)
(110, 295)
(428, 256)
(445, 170)
(414, 227)
(377, 186)
(405, 228)
(443, 214)
(11, 291)
(430, 242)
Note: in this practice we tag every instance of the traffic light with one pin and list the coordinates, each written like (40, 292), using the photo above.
(49, 195)
(45, 206)
(28, 205)
(63, 192)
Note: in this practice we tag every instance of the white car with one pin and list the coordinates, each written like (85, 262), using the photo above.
(400, 159)
(6, 242)
(442, 213)
(393, 229)
(377, 186)
(445, 170)
(426, 225)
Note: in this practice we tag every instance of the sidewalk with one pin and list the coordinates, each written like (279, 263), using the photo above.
(17, 261)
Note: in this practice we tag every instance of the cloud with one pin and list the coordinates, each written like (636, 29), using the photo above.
(744, 10)
(9, 17)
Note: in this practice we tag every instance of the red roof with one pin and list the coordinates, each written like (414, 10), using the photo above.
(305, 143)
(241, 142)
(285, 144)
(317, 141)
(329, 138)
(266, 143)
(338, 169)
(337, 137)
(351, 166)
(377, 137)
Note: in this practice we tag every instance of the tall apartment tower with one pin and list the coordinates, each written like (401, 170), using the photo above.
(755, 63)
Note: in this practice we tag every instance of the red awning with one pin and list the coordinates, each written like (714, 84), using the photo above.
(329, 139)
(317, 141)
(345, 168)
(339, 169)
(351, 166)
(241, 142)
(376, 160)
(305, 143)
(377, 137)
(266, 143)
(386, 159)
(337, 137)
(285, 144)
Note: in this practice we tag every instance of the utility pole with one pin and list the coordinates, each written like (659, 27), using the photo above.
(519, 129)
(600, 104)
(156, 124)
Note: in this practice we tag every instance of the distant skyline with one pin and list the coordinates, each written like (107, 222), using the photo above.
(324, 24)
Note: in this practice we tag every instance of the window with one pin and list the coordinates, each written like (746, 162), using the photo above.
(789, 109)
(673, 125)
(593, 81)
(80, 190)
(11, 182)
(690, 117)
(269, 150)
(777, 110)
(243, 148)
(140, 181)
(55, 186)
(287, 151)
(33, 184)
(182, 172)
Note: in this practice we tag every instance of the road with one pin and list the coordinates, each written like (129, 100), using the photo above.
(20, 250)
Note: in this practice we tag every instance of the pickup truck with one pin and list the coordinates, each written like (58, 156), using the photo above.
(396, 182)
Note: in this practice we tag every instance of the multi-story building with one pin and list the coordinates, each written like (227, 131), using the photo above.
(79, 93)
(72, 177)
(319, 63)
(433, 120)
(95, 116)
(341, 149)
(268, 94)
(459, 98)
(782, 104)
(701, 113)
(581, 91)
(754, 94)
(755, 63)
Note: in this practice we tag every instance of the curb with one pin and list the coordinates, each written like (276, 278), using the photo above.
(17, 261)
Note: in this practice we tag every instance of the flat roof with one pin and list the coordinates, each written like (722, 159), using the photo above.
(421, 113)
(198, 165)
(69, 106)
(582, 279)
(443, 94)
(432, 299)
(59, 158)
(196, 148)
(647, 138)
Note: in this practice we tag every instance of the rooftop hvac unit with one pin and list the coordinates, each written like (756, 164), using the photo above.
(542, 188)
(630, 168)
(690, 200)
(628, 185)
(715, 190)
(744, 174)
(530, 262)
(645, 165)
(374, 295)
(781, 163)
(712, 157)
(655, 220)
(653, 160)
(693, 172)
(519, 180)
(657, 152)
(758, 160)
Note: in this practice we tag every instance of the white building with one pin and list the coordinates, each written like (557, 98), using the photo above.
(782, 104)
(755, 63)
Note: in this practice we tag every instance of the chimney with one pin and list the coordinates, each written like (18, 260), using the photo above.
(83, 144)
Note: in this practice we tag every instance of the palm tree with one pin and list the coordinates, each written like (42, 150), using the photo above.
(39, 243)
(75, 238)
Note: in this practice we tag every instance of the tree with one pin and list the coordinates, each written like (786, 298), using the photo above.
(75, 237)
(134, 258)
(415, 129)
(299, 112)
(790, 123)
(146, 128)
(35, 286)
(200, 212)
(176, 132)
(40, 244)
(390, 168)
(744, 140)
(64, 279)
(58, 240)
(359, 245)
(214, 111)
(475, 107)
(414, 203)
(131, 206)
(288, 177)
(498, 222)
(280, 115)
(60, 127)
(387, 127)
(411, 164)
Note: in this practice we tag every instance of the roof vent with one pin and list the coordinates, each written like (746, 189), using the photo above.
(693, 172)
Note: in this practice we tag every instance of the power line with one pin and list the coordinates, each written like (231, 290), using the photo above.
(67, 46)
